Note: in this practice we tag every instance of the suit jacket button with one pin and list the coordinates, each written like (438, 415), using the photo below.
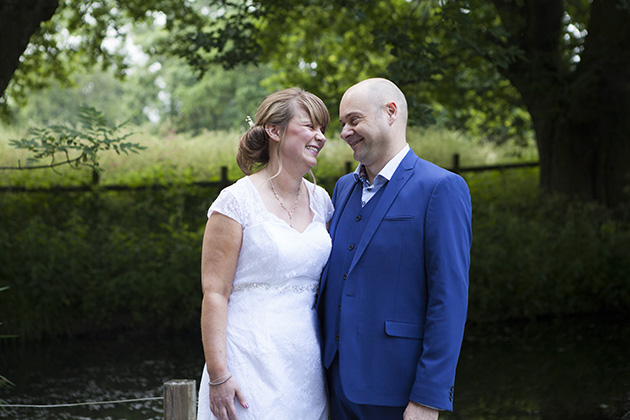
(358, 218)
(351, 247)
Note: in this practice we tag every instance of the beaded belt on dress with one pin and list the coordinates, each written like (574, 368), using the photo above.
(283, 288)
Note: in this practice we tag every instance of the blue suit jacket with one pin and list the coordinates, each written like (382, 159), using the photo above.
(404, 301)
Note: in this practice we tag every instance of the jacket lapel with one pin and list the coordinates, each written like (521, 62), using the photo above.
(345, 190)
(393, 187)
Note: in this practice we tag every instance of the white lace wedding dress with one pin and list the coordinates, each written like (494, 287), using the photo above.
(272, 345)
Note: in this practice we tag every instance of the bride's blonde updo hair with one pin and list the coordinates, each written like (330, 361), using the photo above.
(276, 109)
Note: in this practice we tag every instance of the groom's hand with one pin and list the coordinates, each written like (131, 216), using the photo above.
(415, 411)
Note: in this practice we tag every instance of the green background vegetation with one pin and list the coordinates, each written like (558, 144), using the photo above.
(87, 262)
(495, 81)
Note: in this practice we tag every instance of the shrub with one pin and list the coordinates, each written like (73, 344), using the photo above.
(81, 263)
(536, 255)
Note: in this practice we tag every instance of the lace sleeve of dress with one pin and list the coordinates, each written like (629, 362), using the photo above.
(228, 205)
(325, 204)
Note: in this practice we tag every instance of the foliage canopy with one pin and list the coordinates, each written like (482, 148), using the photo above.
(491, 67)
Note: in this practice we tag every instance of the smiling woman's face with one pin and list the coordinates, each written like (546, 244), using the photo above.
(303, 140)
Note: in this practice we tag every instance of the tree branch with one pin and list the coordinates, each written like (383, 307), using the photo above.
(51, 165)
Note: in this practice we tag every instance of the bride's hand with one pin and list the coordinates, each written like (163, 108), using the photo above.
(222, 400)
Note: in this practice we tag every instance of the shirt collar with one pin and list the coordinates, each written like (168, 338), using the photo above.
(388, 170)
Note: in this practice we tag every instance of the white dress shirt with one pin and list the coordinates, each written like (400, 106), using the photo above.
(369, 190)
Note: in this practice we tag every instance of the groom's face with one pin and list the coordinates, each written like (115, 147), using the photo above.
(364, 126)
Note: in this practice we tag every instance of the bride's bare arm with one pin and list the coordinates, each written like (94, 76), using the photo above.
(221, 246)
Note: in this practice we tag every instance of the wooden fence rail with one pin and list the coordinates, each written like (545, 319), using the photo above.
(459, 169)
(225, 181)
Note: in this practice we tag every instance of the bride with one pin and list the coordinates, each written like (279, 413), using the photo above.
(264, 248)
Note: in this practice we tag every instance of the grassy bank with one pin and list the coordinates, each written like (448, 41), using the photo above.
(87, 262)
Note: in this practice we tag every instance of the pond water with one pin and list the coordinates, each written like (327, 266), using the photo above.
(571, 369)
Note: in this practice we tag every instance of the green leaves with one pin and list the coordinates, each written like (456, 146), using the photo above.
(79, 146)
(223, 32)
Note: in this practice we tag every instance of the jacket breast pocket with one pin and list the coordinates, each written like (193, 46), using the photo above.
(404, 330)
(398, 217)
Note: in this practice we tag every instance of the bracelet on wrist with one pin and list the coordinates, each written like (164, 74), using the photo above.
(221, 380)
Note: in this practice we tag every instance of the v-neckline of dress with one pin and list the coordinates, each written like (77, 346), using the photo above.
(275, 217)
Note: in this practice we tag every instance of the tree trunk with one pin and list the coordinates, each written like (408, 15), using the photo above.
(581, 117)
(19, 19)
(599, 112)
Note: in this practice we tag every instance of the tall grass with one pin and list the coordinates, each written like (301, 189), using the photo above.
(180, 157)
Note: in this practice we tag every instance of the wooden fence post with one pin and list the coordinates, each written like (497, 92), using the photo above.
(456, 163)
(180, 400)
(96, 177)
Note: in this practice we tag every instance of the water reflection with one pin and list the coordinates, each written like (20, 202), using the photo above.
(78, 370)
(568, 369)
(562, 369)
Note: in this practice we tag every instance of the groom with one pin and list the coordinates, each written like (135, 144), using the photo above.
(394, 294)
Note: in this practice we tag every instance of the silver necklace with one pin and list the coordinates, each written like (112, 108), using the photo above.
(297, 199)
